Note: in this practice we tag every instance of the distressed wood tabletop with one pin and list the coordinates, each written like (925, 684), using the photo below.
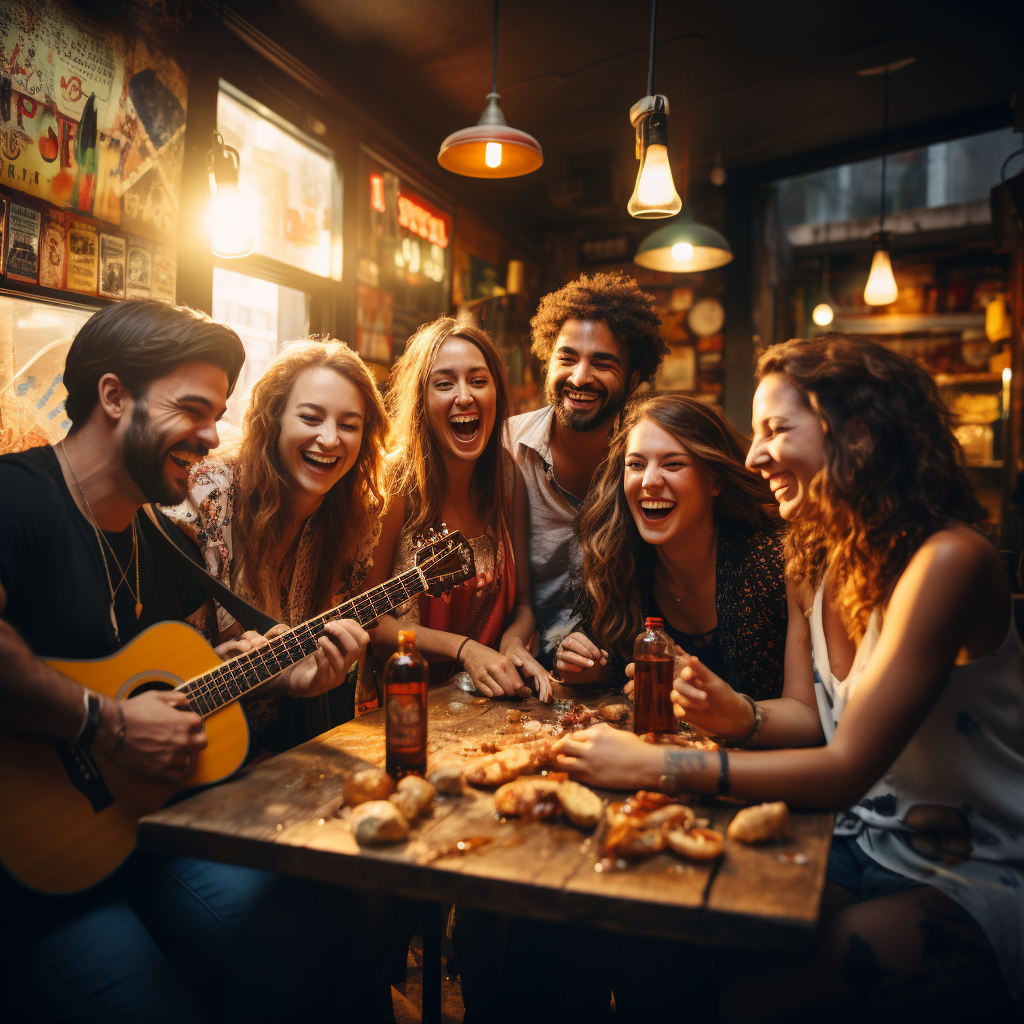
(283, 815)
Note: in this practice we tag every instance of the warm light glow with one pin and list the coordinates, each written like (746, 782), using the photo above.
(682, 252)
(881, 288)
(655, 193)
(822, 314)
(228, 224)
(1007, 377)
(492, 155)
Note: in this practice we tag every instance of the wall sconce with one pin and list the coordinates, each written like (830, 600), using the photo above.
(227, 217)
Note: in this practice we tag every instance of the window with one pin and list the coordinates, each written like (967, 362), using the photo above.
(34, 341)
(941, 186)
(289, 181)
(266, 316)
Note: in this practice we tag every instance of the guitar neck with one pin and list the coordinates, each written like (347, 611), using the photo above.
(235, 678)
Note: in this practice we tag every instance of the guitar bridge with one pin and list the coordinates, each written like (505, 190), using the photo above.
(84, 774)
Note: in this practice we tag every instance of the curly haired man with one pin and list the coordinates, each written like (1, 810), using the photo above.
(599, 339)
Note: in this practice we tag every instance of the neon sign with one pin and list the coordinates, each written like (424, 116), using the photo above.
(422, 222)
(377, 193)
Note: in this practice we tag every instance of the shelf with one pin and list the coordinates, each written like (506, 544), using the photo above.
(945, 380)
(992, 464)
(902, 323)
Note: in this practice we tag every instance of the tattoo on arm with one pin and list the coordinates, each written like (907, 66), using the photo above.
(678, 762)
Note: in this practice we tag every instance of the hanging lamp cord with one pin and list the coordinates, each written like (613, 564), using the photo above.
(654, 32)
(494, 76)
(885, 132)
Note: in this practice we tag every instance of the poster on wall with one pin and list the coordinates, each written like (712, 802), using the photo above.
(373, 324)
(112, 266)
(140, 268)
(92, 116)
(53, 250)
(83, 256)
(23, 243)
(165, 277)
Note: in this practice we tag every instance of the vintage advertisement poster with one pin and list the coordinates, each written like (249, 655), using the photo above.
(165, 276)
(92, 116)
(23, 243)
(83, 256)
(53, 250)
(112, 266)
(140, 268)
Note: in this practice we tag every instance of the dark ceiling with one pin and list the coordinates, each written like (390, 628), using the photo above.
(768, 81)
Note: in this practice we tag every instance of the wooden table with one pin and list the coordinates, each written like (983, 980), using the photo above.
(281, 815)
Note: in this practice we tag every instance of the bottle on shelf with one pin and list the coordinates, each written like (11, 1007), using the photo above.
(653, 657)
(406, 676)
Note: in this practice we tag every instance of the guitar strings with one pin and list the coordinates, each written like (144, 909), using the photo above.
(209, 687)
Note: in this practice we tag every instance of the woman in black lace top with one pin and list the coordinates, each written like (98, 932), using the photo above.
(676, 527)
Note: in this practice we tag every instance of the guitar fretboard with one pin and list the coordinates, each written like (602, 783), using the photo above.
(235, 678)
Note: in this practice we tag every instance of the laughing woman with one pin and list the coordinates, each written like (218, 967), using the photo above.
(917, 672)
(449, 404)
(289, 521)
(676, 527)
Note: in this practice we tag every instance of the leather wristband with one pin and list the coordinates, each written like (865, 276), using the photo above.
(92, 722)
(724, 785)
(458, 654)
(759, 717)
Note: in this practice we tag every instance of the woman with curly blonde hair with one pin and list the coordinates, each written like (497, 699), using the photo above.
(448, 398)
(917, 670)
(289, 521)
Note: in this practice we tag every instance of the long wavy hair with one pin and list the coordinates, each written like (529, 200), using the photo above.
(418, 472)
(351, 509)
(893, 473)
(618, 564)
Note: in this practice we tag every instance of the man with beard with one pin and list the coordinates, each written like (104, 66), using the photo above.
(599, 340)
(83, 570)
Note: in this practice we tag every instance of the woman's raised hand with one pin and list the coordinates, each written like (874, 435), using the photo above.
(704, 699)
(492, 673)
(577, 653)
(529, 666)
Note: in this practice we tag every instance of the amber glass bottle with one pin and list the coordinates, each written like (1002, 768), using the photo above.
(406, 676)
(652, 683)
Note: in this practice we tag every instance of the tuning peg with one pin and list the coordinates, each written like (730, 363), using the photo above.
(418, 540)
(444, 529)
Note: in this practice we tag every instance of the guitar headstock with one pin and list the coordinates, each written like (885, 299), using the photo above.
(446, 560)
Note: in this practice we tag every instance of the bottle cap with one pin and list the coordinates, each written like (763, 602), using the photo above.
(406, 636)
(653, 622)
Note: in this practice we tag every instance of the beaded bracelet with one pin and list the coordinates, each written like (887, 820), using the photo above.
(759, 717)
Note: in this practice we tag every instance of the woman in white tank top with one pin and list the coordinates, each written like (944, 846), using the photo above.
(904, 681)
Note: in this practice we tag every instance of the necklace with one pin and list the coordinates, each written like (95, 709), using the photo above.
(100, 539)
(695, 586)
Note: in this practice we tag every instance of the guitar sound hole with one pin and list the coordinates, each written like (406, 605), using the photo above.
(152, 684)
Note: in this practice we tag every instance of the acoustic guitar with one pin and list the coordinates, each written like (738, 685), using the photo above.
(67, 821)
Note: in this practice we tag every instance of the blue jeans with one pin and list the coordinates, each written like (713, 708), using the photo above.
(857, 872)
(170, 939)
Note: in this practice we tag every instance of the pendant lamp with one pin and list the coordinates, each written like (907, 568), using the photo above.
(227, 217)
(491, 149)
(654, 194)
(683, 246)
(881, 289)
(823, 314)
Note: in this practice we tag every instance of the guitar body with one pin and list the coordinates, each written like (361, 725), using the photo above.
(54, 837)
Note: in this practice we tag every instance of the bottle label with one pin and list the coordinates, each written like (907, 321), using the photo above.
(406, 718)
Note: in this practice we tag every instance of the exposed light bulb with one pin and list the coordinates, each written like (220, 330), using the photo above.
(682, 252)
(227, 223)
(492, 154)
(822, 314)
(655, 193)
(881, 288)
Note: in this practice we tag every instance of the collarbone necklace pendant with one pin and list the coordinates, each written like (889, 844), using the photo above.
(113, 622)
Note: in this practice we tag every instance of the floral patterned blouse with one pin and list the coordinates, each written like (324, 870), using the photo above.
(207, 515)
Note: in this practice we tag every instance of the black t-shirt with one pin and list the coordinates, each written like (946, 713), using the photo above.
(51, 569)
